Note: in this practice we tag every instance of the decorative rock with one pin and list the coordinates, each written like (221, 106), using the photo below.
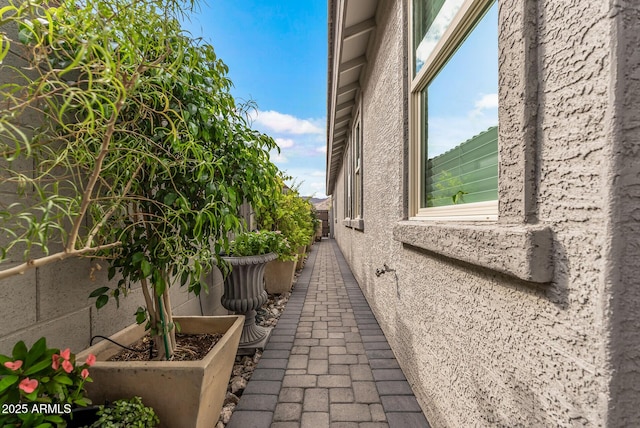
(231, 398)
(268, 316)
(238, 383)
(226, 413)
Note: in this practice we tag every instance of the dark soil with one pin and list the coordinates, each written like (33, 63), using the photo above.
(190, 347)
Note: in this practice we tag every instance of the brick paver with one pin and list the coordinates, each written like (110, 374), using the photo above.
(328, 363)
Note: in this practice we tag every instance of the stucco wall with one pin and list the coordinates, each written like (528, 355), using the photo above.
(53, 300)
(482, 348)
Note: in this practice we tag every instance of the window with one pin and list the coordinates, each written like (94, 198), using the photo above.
(348, 199)
(454, 109)
(357, 171)
(353, 177)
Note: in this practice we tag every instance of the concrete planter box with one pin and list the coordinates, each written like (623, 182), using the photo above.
(278, 276)
(182, 393)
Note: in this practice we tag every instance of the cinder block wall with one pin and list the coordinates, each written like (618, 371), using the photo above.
(485, 349)
(53, 300)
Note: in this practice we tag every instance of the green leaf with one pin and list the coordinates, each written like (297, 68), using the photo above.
(137, 257)
(82, 402)
(146, 268)
(32, 396)
(20, 351)
(112, 272)
(7, 381)
(170, 198)
(99, 291)
(36, 351)
(63, 379)
(141, 315)
(37, 367)
(101, 301)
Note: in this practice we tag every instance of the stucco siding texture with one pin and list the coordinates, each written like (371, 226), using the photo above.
(481, 348)
(622, 279)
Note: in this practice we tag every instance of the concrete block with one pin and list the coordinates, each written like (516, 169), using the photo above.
(315, 420)
(341, 395)
(211, 298)
(291, 395)
(316, 400)
(64, 287)
(17, 302)
(69, 331)
(287, 412)
(353, 412)
(365, 392)
(190, 307)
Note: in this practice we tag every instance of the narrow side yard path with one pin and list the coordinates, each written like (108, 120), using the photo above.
(328, 363)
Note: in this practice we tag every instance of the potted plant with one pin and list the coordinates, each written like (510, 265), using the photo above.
(244, 291)
(144, 162)
(291, 214)
(40, 384)
(279, 273)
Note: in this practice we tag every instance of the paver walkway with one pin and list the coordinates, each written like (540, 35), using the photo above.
(327, 363)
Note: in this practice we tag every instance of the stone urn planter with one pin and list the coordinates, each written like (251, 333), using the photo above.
(244, 292)
(182, 393)
(278, 276)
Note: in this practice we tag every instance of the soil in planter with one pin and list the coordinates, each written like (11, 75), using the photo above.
(190, 347)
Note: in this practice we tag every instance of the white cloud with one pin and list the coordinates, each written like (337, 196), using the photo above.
(486, 102)
(321, 149)
(278, 157)
(285, 143)
(286, 124)
(312, 181)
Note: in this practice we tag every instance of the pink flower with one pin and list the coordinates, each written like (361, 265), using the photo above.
(66, 354)
(84, 373)
(67, 366)
(28, 385)
(91, 360)
(55, 358)
(13, 365)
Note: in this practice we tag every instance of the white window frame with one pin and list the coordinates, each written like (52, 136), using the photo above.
(356, 136)
(353, 176)
(348, 199)
(470, 12)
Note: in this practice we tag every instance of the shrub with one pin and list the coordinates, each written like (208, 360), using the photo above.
(131, 413)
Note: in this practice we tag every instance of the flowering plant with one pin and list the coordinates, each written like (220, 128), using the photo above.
(262, 242)
(38, 384)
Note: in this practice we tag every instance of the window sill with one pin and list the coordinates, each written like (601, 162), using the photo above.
(522, 251)
(356, 223)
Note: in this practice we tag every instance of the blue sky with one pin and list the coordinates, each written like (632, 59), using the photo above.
(277, 56)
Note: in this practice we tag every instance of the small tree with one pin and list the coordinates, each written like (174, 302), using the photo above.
(141, 155)
(289, 213)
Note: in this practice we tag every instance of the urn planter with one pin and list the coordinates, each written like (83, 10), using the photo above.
(182, 393)
(244, 292)
(278, 276)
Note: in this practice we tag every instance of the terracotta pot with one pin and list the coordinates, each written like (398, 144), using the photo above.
(182, 393)
(278, 276)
